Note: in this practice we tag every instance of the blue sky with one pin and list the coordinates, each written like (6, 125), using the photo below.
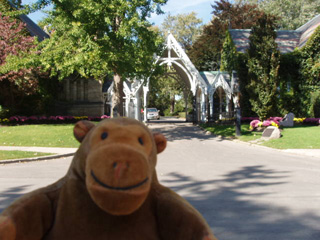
(201, 7)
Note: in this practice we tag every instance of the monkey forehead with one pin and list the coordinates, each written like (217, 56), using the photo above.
(118, 129)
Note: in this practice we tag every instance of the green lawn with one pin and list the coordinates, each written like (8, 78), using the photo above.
(298, 137)
(46, 135)
(20, 154)
(303, 137)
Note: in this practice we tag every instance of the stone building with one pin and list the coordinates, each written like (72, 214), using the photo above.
(287, 40)
(81, 97)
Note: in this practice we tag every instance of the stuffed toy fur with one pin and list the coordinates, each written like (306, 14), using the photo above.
(110, 191)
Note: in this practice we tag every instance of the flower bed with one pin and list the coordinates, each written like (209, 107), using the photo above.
(311, 121)
(273, 121)
(19, 120)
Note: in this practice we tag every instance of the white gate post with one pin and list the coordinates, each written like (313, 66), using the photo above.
(211, 104)
(203, 107)
(145, 98)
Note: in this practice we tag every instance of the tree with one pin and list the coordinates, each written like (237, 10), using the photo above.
(311, 59)
(206, 51)
(290, 14)
(164, 88)
(14, 40)
(184, 27)
(310, 70)
(229, 55)
(96, 38)
(263, 68)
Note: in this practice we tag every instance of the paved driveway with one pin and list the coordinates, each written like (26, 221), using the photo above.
(245, 192)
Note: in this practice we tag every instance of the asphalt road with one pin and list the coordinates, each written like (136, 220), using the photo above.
(244, 192)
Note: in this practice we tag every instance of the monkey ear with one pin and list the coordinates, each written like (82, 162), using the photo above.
(161, 142)
(81, 129)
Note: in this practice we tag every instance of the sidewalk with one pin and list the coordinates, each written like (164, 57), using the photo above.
(305, 152)
(66, 152)
(57, 153)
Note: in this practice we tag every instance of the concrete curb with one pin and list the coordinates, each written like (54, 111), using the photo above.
(49, 157)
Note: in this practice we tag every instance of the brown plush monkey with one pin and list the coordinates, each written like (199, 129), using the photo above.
(111, 191)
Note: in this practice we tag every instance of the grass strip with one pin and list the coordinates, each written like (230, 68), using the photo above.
(46, 135)
(5, 155)
(297, 137)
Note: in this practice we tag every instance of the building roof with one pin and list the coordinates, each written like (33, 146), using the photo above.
(287, 40)
(33, 28)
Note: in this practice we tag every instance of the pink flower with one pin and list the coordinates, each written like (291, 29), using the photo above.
(266, 123)
(254, 124)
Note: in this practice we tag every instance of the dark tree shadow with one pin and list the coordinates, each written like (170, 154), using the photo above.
(224, 204)
(7, 196)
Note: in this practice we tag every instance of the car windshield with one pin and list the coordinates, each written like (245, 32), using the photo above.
(152, 110)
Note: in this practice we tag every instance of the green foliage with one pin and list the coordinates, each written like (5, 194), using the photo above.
(310, 54)
(97, 38)
(242, 71)
(228, 55)
(163, 89)
(292, 94)
(23, 90)
(290, 14)
(314, 109)
(310, 71)
(263, 68)
(206, 50)
(184, 27)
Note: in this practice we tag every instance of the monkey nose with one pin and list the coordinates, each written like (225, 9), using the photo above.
(119, 169)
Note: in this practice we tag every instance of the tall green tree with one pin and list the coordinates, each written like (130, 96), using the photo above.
(310, 69)
(263, 67)
(97, 38)
(229, 55)
(290, 14)
(184, 27)
(310, 56)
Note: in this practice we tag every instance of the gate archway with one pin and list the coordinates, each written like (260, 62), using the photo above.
(202, 86)
(175, 58)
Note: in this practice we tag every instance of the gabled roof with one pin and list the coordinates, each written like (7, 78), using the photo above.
(308, 29)
(33, 28)
(287, 40)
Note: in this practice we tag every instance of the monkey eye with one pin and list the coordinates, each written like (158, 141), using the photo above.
(140, 140)
(104, 135)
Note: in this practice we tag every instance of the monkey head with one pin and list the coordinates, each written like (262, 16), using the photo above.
(120, 162)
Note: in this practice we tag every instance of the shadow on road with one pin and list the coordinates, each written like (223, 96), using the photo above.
(232, 216)
(9, 195)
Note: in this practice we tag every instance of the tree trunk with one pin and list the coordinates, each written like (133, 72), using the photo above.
(117, 97)
(172, 103)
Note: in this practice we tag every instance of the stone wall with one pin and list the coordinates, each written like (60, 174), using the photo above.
(81, 97)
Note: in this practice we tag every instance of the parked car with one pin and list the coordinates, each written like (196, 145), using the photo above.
(153, 113)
